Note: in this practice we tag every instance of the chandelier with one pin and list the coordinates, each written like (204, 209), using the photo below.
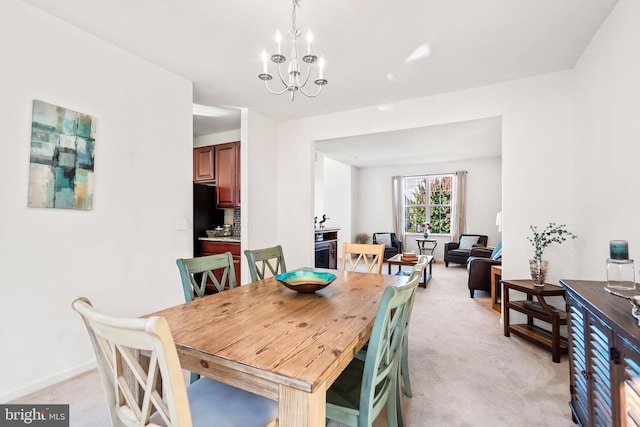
(293, 83)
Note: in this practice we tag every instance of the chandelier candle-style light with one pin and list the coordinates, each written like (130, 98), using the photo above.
(293, 83)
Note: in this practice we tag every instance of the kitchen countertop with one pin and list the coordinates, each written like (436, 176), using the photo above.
(231, 239)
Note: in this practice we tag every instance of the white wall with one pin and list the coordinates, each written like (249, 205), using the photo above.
(607, 149)
(336, 193)
(259, 166)
(537, 137)
(122, 253)
(217, 138)
(484, 198)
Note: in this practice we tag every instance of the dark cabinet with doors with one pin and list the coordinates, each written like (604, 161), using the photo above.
(227, 174)
(203, 164)
(326, 247)
(604, 356)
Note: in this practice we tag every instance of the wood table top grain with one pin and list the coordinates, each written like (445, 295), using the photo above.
(278, 343)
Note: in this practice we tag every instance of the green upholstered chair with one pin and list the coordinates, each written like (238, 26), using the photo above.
(205, 403)
(196, 272)
(366, 387)
(262, 259)
(404, 370)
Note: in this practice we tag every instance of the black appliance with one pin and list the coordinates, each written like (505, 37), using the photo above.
(205, 214)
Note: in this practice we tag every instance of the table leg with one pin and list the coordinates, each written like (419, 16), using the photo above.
(298, 408)
(505, 309)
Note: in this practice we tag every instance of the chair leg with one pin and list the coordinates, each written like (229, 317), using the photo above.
(471, 292)
(405, 369)
(446, 263)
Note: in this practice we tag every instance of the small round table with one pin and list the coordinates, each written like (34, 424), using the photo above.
(421, 241)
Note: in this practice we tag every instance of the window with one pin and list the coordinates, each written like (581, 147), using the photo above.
(428, 198)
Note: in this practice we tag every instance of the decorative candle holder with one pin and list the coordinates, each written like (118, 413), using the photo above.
(621, 274)
(619, 250)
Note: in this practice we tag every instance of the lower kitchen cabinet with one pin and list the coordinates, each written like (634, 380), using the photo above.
(604, 356)
(208, 247)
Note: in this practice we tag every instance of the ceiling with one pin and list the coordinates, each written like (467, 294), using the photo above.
(367, 45)
(471, 139)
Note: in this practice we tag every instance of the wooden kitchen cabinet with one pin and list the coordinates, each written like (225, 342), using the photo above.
(227, 173)
(203, 164)
(208, 247)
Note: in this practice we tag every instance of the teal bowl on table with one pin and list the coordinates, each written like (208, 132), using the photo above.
(306, 281)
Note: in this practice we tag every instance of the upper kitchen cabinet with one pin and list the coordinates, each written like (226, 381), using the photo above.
(203, 164)
(227, 174)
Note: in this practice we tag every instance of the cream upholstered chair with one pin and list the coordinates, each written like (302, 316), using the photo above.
(197, 272)
(367, 386)
(261, 260)
(356, 254)
(118, 342)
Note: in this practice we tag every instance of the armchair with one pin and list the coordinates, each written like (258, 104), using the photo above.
(460, 251)
(392, 246)
(479, 267)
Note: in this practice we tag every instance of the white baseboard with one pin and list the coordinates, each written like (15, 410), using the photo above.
(46, 382)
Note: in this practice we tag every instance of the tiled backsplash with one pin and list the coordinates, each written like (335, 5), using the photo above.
(236, 222)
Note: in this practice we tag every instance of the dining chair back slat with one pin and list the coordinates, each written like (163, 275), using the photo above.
(154, 393)
(196, 273)
(358, 254)
(265, 262)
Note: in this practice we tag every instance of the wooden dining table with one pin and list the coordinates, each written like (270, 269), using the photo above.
(278, 343)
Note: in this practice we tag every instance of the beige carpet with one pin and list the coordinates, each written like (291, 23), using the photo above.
(464, 372)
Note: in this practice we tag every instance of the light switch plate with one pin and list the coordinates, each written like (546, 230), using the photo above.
(181, 224)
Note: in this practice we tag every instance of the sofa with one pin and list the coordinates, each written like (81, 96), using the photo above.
(392, 246)
(460, 251)
(479, 267)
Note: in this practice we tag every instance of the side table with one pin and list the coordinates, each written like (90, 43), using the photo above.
(496, 287)
(421, 241)
(549, 340)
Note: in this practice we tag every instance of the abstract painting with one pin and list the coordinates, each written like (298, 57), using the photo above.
(62, 158)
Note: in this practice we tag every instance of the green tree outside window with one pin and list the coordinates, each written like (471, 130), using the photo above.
(427, 199)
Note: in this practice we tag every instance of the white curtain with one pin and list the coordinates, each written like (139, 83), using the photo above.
(396, 202)
(459, 214)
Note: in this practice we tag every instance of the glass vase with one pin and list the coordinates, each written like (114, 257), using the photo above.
(538, 270)
(621, 274)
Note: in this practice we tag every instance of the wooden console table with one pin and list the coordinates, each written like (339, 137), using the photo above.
(496, 287)
(549, 340)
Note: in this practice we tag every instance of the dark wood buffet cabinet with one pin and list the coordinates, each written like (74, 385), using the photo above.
(604, 356)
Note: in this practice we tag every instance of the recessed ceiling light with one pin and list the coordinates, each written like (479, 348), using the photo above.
(391, 77)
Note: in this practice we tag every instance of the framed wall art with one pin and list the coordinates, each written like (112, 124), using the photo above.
(61, 171)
